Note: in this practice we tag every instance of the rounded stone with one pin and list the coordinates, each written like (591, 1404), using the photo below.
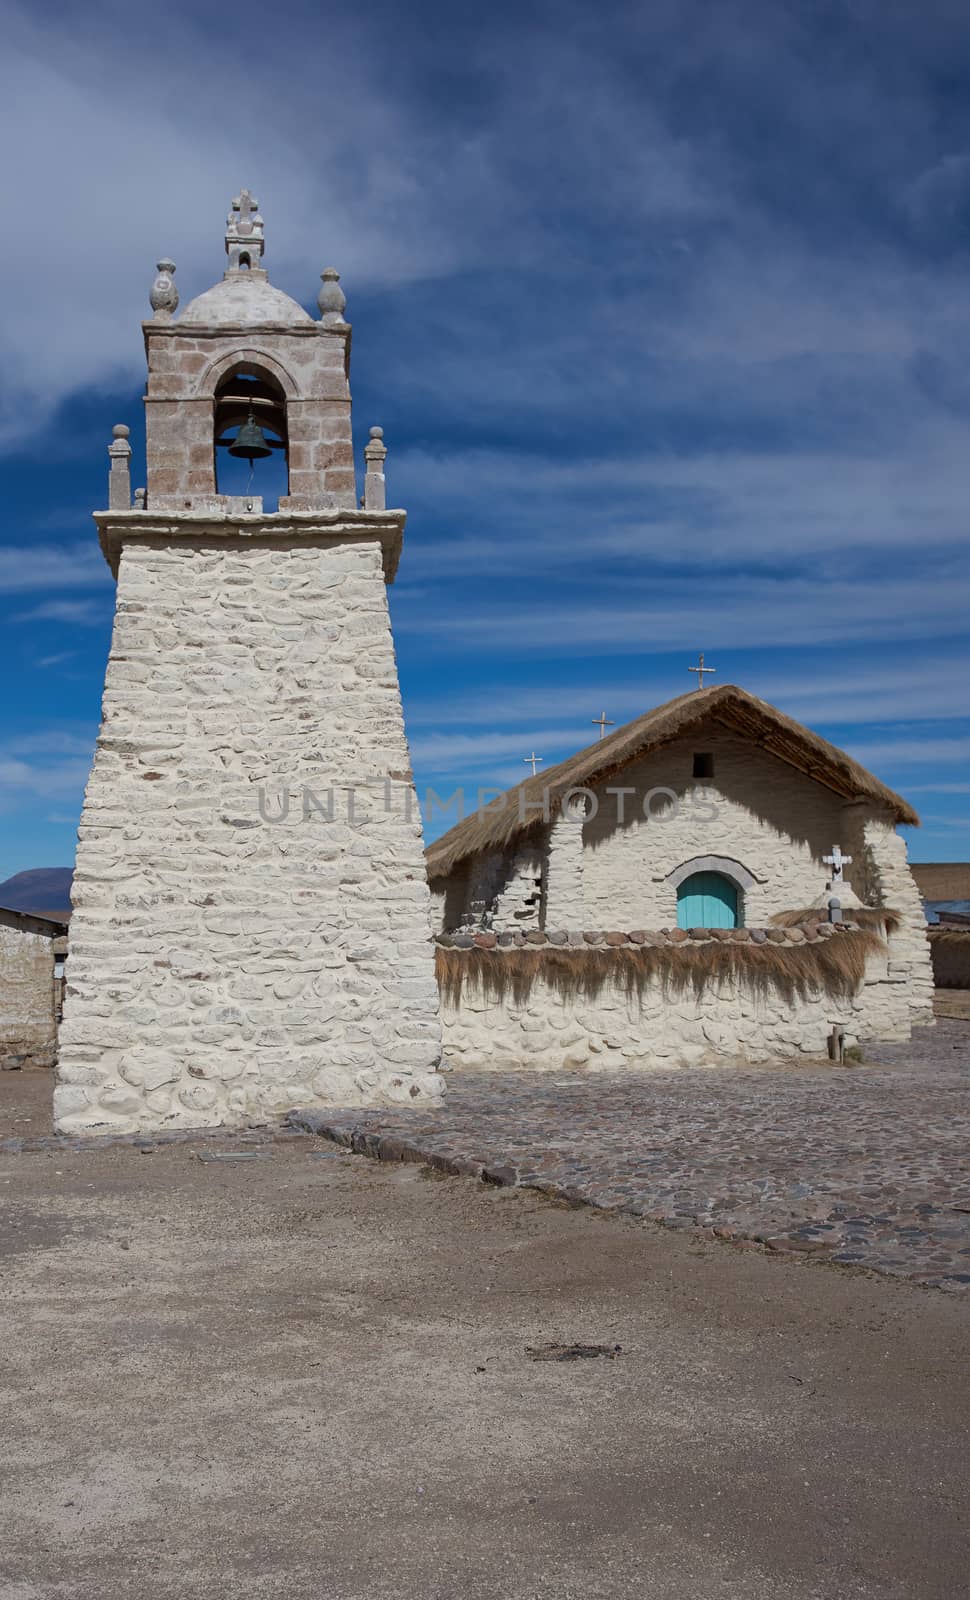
(741, 935)
(506, 939)
(637, 936)
(446, 941)
(699, 933)
(677, 936)
(758, 936)
(795, 935)
(592, 937)
(616, 938)
(557, 938)
(463, 941)
(485, 941)
(776, 935)
(535, 936)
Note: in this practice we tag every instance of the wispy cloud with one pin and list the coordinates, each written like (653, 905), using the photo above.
(27, 567)
(86, 613)
(759, 610)
(57, 660)
(907, 752)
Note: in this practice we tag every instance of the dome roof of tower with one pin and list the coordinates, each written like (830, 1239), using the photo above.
(247, 298)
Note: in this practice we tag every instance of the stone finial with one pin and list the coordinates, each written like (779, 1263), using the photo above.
(119, 478)
(331, 298)
(140, 499)
(375, 487)
(164, 297)
(244, 233)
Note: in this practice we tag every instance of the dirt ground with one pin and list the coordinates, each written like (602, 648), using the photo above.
(952, 1003)
(306, 1374)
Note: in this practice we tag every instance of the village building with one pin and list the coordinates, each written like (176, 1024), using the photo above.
(32, 950)
(710, 880)
(251, 913)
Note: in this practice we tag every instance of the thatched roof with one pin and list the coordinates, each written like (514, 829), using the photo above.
(727, 706)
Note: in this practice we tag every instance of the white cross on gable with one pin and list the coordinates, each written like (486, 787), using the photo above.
(837, 861)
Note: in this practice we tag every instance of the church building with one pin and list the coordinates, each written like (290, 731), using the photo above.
(710, 879)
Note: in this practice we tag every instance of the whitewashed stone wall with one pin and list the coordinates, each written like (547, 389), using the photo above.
(28, 1032)
(888, 881)
(224, 967)
(563, 901)
(728, 1022)
(518, 895)
(508, 886)
(774, 821)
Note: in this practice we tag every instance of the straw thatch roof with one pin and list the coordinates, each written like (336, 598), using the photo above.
(726, 706)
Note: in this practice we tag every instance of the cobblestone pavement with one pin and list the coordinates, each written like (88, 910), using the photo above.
(865, 1165)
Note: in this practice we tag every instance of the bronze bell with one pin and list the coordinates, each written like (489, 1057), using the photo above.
(250, 441)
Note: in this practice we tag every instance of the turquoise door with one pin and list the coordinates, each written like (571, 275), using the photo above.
(706, 900)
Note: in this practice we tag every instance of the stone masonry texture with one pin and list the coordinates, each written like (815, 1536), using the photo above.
(226, 965)
(28, 1035)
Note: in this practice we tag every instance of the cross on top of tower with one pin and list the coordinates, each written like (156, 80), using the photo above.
(244, 233)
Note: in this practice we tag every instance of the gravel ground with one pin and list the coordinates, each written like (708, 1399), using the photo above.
(305, 1374)
(867, 1166)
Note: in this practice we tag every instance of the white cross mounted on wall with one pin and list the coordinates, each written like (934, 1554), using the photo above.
(837, 861)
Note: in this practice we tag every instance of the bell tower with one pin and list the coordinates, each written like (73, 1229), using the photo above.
(251, 913)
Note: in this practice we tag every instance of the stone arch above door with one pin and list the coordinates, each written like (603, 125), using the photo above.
(725, 865)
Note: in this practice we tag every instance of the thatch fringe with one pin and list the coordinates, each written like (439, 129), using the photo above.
(871, 917)
(835, 967)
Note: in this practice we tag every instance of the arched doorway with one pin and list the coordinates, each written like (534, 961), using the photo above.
(707, 900)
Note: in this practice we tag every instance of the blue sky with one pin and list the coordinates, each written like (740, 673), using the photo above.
(664, 308)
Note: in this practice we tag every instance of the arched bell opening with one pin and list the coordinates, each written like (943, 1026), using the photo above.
(251, 442)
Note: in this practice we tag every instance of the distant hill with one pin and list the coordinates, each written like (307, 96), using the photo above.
(942, 880)
(45, 891)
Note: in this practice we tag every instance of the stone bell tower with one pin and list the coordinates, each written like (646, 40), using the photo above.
(252, 917)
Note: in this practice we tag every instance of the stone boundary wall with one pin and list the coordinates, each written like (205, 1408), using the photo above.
(731, 1019)
(519, 938)
(28, 1029)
